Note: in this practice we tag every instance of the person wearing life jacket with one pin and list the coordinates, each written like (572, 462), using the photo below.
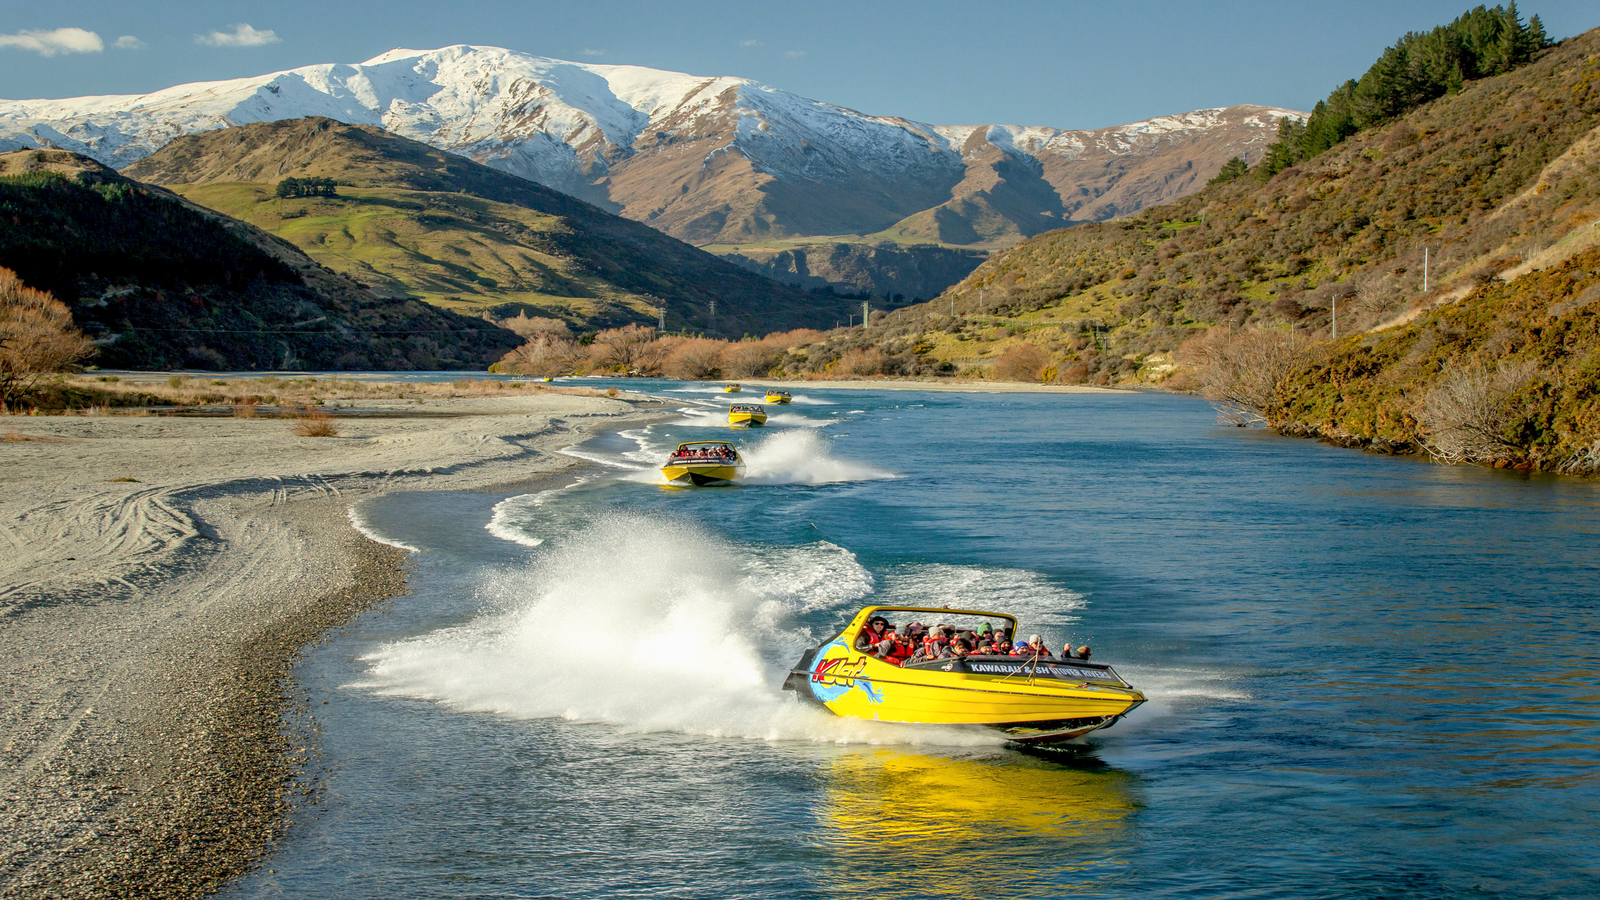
(874, 639)
(901, 646)
(1035, 647)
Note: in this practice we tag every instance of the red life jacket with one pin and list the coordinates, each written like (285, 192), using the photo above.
(900, 650)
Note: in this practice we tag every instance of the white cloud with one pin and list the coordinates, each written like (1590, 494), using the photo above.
(50, 43)
(795, 54)
(242, 35)
(589, 52)
(128, 42)
(749, 42)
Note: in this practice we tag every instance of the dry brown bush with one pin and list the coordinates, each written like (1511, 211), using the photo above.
(694, 358)
(544, 355)
(37, 337)
(860, 361)
(1242, 373)
(1024, 362)
(245, 410)
(314, 422)
(532, 326)
(631, 348)
(749, 359)
(1466, 413)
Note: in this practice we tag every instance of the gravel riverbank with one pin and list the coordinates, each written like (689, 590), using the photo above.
(158, 578)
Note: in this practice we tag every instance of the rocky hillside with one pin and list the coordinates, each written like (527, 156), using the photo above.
(409, 220)
(1490, 182)
(160, 283)
(705, 159)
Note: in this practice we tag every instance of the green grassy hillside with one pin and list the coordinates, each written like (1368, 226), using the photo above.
(160, 283)
(1499, 176)
(414, 221)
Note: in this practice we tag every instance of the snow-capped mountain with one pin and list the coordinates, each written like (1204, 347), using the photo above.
(705, 159)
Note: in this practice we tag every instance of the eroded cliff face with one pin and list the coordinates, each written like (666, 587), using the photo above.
(708, 160)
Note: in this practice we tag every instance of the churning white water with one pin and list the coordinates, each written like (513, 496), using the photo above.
(678, 631)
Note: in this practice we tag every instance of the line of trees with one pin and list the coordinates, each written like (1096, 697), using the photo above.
(306, 187)
(1420, 67)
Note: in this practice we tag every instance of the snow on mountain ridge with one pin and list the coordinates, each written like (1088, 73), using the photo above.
(572, 125)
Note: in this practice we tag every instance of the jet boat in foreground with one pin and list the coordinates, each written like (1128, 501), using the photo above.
(1034, 700)
(747, 416)
(774, 396)
(704, 462)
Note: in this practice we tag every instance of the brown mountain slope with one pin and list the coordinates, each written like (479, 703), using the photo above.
(410, 221)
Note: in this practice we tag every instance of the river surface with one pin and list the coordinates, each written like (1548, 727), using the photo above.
(1368, 676)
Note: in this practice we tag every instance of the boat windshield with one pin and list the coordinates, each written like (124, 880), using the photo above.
(703, 452)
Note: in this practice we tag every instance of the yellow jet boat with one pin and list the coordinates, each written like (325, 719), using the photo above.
(747, 416)
(778, 396)
(704, 462)
(731, 388)
(1033, 700)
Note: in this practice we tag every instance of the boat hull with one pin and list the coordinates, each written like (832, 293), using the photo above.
(772, 398)
(702, 474)
(747, 420)
(1037, 703)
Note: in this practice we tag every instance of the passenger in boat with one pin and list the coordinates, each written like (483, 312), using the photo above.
(1034, 648)
(961, 647)
(934, 646)
(875, 639)
(901, 646)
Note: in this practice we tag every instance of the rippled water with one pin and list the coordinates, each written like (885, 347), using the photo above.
(1367, 676)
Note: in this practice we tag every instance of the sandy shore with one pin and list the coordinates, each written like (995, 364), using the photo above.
(158, 577)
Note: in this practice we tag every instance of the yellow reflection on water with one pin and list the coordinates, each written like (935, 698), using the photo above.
(899, 823)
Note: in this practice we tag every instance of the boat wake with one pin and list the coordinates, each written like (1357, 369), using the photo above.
(802, 457)
(649, 624)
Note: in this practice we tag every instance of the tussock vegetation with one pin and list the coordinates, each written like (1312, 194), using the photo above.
(314, 421)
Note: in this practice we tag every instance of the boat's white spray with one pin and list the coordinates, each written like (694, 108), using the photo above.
(648, 624)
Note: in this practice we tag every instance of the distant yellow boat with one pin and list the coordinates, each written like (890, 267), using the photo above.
(704, 462)
(778, 396)
(731, 388)
(1035, 700)
(747, 416)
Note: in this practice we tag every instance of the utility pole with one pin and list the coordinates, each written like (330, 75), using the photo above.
(713, 315)
(1336, 317)
(1424, 270)
(865, 310)
(661, 318)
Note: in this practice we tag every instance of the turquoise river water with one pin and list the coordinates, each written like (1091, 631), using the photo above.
(1368, 676)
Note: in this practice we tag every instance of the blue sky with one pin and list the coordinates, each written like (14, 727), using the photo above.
(1066, 63)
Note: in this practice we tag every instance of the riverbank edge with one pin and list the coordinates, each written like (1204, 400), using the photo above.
(221, 804)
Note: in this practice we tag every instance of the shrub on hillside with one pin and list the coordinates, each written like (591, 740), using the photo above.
(1024, 362)
(1243, 373)
(37, 337)
(1469, 415)
(859, 362)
